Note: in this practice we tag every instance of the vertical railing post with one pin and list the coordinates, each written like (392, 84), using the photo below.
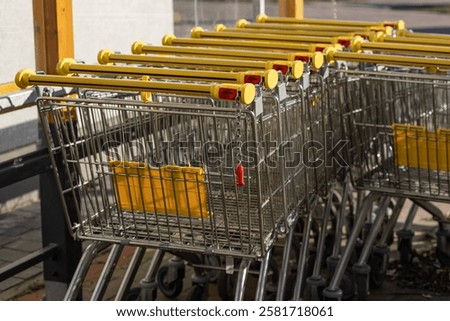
(291, 8)
(53, 34)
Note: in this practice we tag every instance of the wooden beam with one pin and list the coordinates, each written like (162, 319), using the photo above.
(290, 8)
(53, 33)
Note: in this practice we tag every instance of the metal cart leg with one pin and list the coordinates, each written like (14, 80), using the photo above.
(333, 292)
(262, 277)
(107, 272)
(242, 280)
(148, 284)
(285, 264)
(333, 260)
(380, 255)
(302, 257)
(83, 266)
(361, 269)
(316, 280)
(405, 236)
(123, 293)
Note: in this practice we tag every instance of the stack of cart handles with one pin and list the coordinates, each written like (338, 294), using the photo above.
(245, 93)
(172, 40)
(312, 59)
(267, 78)
(292, 68)
(239, 64)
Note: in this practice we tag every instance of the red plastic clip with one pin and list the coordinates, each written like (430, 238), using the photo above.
(239, 171)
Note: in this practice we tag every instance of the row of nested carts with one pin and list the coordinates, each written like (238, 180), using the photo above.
(282, 150)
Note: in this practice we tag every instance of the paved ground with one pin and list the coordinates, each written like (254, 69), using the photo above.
(20, 230)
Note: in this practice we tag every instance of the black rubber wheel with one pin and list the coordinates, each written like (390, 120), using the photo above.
(405, 249)
(213, 261)
(378, 268)
(391, 206)
(442, 257)
(362, 288)
(273, 276)
(290, 286)
(199, 292)
(347, 286)
(170, 289)
(133, 294)
(328, 250)
(226, 285)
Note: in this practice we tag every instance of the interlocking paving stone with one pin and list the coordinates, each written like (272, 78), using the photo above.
(29, 273)
(6, 239)
(9, 283)
(23, 244)
(34, 235)
(9, 255)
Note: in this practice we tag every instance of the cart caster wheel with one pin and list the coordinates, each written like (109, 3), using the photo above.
(347, 286)
(378, 263)
(170, 287)
(405, 249)
(361, 287)
(133, 294)
(442, 257)
(199, 292)
(226, 285)
(361, 273)
(290, 286)
(377, 271)
(443, 244)
(272, 277)
(212, 273)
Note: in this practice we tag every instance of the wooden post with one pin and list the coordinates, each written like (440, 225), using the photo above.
(53, 37)
(290, 8)
(53, 32)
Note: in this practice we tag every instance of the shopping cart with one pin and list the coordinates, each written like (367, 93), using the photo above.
(222, 147)
(339, 93)
(202, 209)
(395, 119)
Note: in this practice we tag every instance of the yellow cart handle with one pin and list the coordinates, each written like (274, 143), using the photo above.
(315, 60)
(268, 78)
(406, 33)
(245, 93)
(243, 23)
(332, 55)
(171, 40)
(358, 44)
(382, 37)
(282, 32)
(262, 18)
(198, 32)
(292, 68)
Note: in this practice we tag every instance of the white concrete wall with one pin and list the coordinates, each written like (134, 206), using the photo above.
(16, 38)
(116, 24)
(98, 24)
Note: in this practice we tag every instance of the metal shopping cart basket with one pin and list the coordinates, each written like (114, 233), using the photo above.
(176, 176)
(395, 118)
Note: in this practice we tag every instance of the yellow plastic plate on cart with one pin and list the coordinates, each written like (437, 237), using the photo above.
(416, 147)
(170, 189)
